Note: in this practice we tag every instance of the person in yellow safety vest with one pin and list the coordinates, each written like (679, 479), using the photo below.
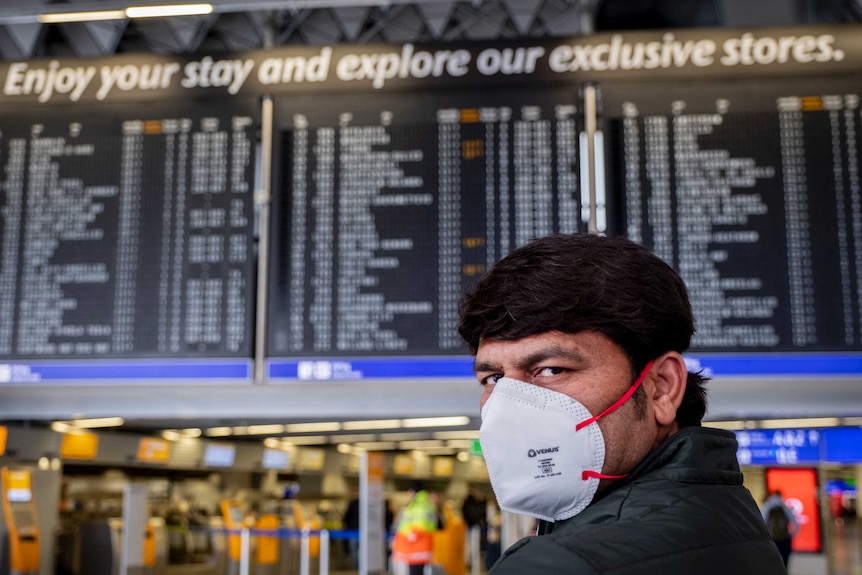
(414, 539)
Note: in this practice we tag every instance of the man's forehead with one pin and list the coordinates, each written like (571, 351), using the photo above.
(538, 347)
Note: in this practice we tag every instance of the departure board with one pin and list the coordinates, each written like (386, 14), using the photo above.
(752, 192)
(127, 231)
(389, 207)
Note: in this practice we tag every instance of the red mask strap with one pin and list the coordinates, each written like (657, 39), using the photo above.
(588, 474)
(618, 402)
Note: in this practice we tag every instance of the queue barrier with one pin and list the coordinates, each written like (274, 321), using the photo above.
(313, 542)
(316, 543)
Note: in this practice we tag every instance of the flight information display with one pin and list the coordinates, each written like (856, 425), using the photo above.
(127, 231)
(389, 207)
(752, 192)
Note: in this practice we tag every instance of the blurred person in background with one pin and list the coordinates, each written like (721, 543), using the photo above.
(413, 544)
(781, 523)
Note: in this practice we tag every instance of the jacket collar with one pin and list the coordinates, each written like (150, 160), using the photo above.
(693, 454)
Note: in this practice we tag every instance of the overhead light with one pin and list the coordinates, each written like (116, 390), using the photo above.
(97, 422)
(130, 12)
(172, 435)
(727, 425)
(67, 17)
(810, 422)
(463, 434)
(218, 431)
(306, 440)
(436, 421)
(376, 445)
(273, 429)
(312, 427)
(168, 10)
(354, 437)
(461, 443)
(61, 427)
(371, 424)
(463, 456)
(421, 444)
(87, 423)
(191, 432)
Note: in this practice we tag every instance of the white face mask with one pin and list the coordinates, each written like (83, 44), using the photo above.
(544, 450)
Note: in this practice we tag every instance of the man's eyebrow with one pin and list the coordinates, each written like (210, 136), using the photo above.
(551, 352)
(538, 356)
(484, 366)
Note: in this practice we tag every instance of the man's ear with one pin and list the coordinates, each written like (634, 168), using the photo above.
(669, 377)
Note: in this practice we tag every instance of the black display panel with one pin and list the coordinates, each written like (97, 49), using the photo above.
(751, 191)
(127, 231)
(387, 207)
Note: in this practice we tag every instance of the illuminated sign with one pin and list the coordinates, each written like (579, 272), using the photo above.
(799, 490)
(151, 450)
(275, 459)
(219, 455)
(79, 445)
(779, 446)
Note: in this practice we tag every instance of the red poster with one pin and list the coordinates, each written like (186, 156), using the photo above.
(799, 489)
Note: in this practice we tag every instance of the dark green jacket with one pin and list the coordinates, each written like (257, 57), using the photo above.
(682, 510)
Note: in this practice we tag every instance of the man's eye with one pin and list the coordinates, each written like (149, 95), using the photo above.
(551, 371)
(491, 379)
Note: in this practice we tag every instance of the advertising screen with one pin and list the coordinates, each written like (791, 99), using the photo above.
(799, 489)
(219, 455)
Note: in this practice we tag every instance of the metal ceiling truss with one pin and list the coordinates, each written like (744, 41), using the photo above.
(253, 25)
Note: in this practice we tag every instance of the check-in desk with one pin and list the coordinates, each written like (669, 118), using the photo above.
(19, 553)
(99, 549)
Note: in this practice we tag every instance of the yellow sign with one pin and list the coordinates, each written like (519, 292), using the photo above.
(79, 446)
(443, 466)
(20, 513)
(151, 450)
(4, 433)
(18, 479)
(312, 459)
(376, 464)
(403, 464)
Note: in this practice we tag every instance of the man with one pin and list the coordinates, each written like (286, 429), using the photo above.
(351, 523)
(591, 421)
(780, 523)
(474, 509)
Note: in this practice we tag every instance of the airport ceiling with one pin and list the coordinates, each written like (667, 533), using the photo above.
(238, 25)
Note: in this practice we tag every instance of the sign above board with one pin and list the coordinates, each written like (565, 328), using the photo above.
(752, 52)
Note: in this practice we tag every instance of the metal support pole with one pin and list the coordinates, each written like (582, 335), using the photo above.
(262, 200)
(324, 552)
(590, 115)
(304, 554)
(245, 552)
(475, 550)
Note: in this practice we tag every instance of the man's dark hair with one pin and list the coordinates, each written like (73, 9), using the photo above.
(584, 282)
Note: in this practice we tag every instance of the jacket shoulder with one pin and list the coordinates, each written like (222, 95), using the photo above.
(657, 527)
(542, 555)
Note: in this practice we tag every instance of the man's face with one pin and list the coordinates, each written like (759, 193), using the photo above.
(588, 367)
